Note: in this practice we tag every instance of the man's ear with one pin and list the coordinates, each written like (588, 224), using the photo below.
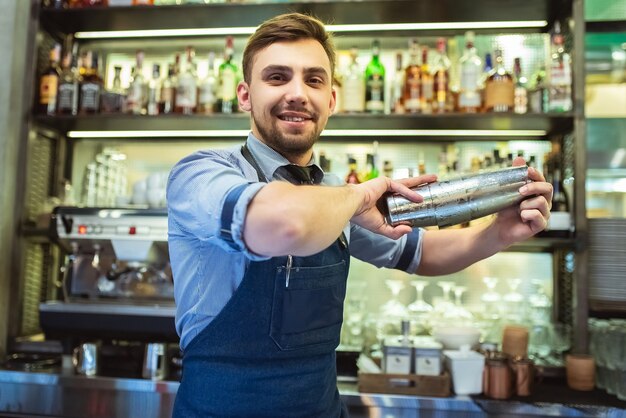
(333, 100)
(243, 95)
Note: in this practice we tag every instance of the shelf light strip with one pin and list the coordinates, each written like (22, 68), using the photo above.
(248, 30)
(242, 133)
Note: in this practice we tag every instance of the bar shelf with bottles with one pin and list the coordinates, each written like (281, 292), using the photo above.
(431, 91)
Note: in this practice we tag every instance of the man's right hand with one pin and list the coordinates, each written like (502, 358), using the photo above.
(368, 215)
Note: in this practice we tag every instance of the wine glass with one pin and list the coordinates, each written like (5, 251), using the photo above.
(459, 311)
(514, 300)
(419, 306)
(393, 307)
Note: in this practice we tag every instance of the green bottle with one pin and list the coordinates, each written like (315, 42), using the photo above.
(228, 73)
(375, 82)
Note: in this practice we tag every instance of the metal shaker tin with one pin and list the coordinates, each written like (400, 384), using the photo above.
(458, 200)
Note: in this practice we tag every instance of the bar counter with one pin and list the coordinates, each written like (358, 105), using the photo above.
(38, 394)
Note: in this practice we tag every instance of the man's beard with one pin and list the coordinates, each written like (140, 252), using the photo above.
(285, 144)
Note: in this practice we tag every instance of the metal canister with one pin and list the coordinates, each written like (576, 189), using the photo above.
(524, 375)
(458, 200)
(498, 377)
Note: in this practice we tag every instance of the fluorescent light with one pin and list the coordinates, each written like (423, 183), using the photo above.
(248, 30)
(241, 133)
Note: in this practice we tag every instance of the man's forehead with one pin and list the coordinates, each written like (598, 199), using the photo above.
(302, 53)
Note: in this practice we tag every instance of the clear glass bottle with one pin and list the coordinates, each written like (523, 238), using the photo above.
(208, 89)
(499, 89)
(114, 99)
(154, 87)
(68, 91)
(168, 91)
(375, 82)
(471, 67)
(412, 79)
(560, 74)
(228, 74)
(49, 83)
(441, 75)
(352, 177)
(520, 92)
(137, 96)
(396, 100)
(427, 93)
(353, 85)
(187, 88)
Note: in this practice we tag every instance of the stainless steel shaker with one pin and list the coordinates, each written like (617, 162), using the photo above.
(154, 362)
(458, 200)
(85, 359)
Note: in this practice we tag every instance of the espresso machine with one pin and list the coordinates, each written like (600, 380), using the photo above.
(117, 281)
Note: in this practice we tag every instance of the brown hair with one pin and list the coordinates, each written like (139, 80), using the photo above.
(287, 27)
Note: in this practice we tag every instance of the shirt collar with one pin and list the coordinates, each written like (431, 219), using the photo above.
(269, 160)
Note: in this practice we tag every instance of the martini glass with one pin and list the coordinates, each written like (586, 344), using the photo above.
(393, 307)
(419, 306)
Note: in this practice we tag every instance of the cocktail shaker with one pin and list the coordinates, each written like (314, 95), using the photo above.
(458, 200)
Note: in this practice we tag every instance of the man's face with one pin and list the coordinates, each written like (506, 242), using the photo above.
(290, 96)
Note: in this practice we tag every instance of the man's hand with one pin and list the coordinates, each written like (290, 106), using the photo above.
(369, 216)
(519, 223)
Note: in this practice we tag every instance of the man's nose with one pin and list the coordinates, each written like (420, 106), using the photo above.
(297, 92)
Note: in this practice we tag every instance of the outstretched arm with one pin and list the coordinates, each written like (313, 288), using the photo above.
(302, 220)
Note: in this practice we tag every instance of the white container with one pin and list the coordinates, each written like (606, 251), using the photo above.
(427, 353)
(466, 367)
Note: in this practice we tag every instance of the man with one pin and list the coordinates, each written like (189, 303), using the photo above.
(260, 265)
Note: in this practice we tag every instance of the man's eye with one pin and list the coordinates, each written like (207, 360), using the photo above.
(276, 77)
(316, 80)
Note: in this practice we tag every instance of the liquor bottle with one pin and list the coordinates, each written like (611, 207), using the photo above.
(54, 4)
(441, 74)
(421, 164)
(91, 85)
(154, 87)
(471, 67)
(168, 91)
(227, 74)
(560, 74)
(187, 89)
(388, 168)
(353, 85)
(208, 89)
(427, 93)
(499, 89)
(396, 100)
(49, 83)
(143, 2)
(520, 92)
(137, 96)
(538, 92)
(375, 82)
(68, 92)
(113, 100)
(372, 163)
(324, 162)
(352, 177)
(412, 79)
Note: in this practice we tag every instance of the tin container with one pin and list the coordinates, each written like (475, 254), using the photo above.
(458, 200)
(428, 353)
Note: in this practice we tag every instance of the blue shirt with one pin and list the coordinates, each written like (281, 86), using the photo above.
(207, 269)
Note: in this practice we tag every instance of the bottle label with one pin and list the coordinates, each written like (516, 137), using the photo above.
(186, 94)
(353, 95)
(521, 100)
(228, 90)
(167, 95)
(469, 96)
(90, 96)
(560, 74)
(135, 100)
(374, 95)
(412, 97)
(68, 95)
(499, 93)
(48, 89)
(207, 94)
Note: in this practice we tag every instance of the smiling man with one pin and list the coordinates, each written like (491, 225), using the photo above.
(260, 241)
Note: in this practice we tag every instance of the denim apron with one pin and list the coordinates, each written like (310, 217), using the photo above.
(271, 351)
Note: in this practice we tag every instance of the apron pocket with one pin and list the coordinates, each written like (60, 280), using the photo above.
(309, 311)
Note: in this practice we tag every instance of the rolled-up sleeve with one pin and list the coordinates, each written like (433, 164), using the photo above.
(208, 198)
(403, 254)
